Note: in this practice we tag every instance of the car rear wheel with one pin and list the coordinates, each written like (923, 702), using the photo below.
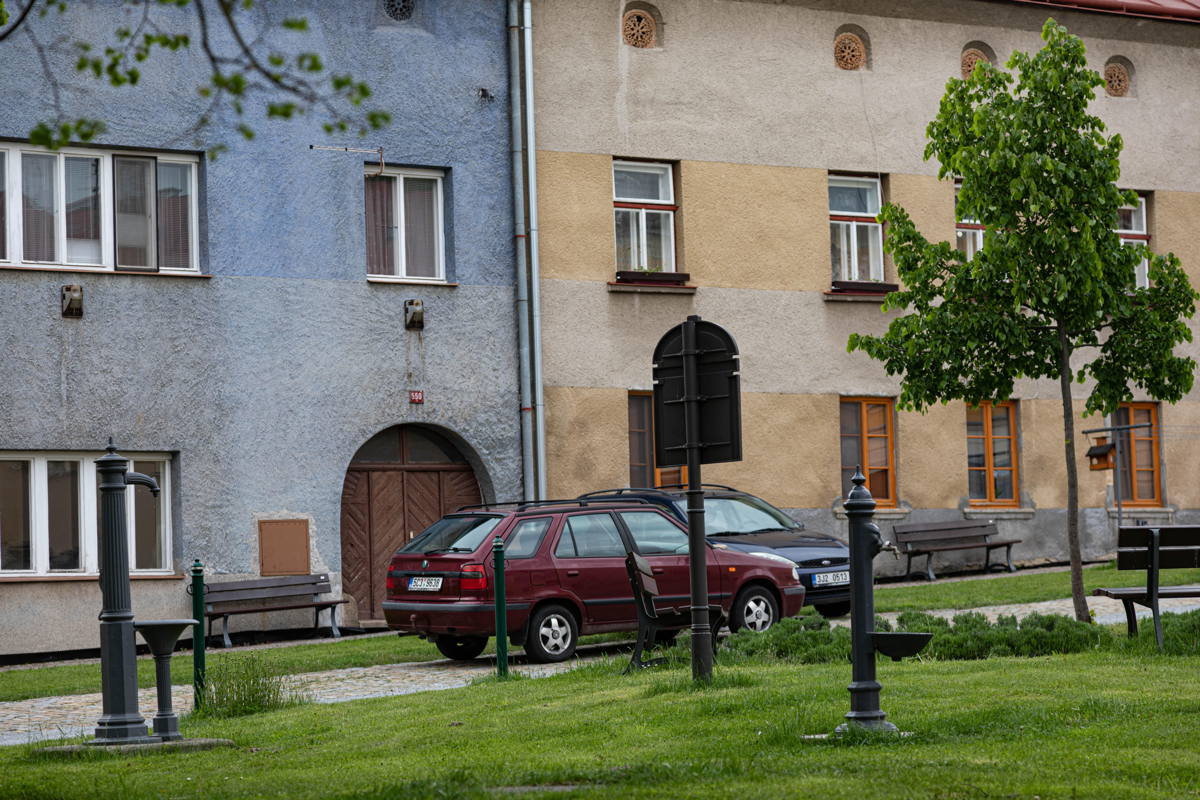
(552, 635)
(831, 610)
(461, 648)
(754, 609)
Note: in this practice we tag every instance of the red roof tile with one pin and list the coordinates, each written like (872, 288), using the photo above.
(1177, 10)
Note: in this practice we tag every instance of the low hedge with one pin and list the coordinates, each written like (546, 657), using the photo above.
(809, 639)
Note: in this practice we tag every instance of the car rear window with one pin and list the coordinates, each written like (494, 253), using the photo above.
(453, 535)
(526, 536)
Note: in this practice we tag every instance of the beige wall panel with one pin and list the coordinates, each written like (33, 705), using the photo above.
(752, 227)
(754, 82)
(1180, 442)
(576, 216)
(928, 201)
(1043, 471)
(931, 457)
(587, 438)
(789, 450)
(1173, 218)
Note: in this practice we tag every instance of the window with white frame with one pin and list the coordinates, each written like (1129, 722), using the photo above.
(94, 209)
(405, 238)
(49, 514)
(856, 239)
(644, 216)
(1131, 227)
(968, 233)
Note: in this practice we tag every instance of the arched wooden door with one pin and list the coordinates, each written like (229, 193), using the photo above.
(399, 483)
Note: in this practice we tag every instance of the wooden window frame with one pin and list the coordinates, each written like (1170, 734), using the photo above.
(863, 445)
(660, 473)
(666, 206)
(1136, 236)
(1129, 450)
(399, 253)
(989, 469)
(854, 271)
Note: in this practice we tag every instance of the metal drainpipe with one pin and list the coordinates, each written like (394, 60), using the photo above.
(528, 482)
(535, 294)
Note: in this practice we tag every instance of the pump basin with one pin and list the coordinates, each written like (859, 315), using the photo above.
(161, 634)
(899, 645)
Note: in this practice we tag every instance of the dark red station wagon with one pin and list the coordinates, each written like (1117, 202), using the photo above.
(565, 576)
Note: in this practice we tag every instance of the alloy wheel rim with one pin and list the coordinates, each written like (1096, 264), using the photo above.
(555, 634)
(757, 614)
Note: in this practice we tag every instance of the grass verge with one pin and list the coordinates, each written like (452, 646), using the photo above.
(1014, 588)
(1074, 726)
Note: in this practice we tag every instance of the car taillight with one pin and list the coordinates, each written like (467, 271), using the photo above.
(473, 578)
(391, 582)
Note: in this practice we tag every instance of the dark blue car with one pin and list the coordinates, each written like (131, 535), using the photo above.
(741, 521)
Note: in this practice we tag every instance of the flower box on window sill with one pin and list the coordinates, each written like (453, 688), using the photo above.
(860, 291)
(647, 278)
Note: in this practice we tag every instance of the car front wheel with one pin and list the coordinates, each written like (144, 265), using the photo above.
(461, 648)
(754, 609)
(552, 635)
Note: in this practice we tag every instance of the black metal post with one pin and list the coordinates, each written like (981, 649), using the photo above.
(121, 722)
(198, 639)
(865, 544)
(702, 650)
(501, 609)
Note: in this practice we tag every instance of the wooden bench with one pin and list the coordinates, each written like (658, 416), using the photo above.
(927, 538)
(652, 619)
(1154, 549)
(223, 600)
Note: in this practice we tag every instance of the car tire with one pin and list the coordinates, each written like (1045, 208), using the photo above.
(553, 635)
(461, 648)
(755, 609)
(830, 610)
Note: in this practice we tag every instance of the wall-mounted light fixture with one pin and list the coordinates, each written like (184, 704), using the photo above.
(72, 300)
(414, 315)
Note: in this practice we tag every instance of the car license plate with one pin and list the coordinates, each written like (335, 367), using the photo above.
(422, 584)
(831, 578)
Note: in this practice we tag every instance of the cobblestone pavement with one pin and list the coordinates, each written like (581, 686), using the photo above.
(42, 718)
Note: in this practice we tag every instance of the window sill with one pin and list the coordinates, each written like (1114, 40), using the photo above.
(78, 270)
(1158, 513)
(79, 578)
(408, 281)
(1001, 512)
(647, 288)
(855, 297)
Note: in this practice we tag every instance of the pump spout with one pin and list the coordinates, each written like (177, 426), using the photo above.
(144, 480)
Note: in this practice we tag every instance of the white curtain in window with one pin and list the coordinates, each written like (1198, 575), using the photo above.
(381, 225)
(83, 210)
(174, 216)
(62, 484)
(39, 201)
(420, 228)
(147, 521)
(3, 211)
(15, 550)
(134, 182)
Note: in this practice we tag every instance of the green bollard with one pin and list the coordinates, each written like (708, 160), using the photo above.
(501, 611)
(198, 634)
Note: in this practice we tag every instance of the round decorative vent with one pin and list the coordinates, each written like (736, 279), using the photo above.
(399, 10)
(639, 29)
(970, 57)
(1116, 80)
(849, 52)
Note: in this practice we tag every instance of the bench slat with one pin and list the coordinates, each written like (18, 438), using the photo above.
(960, 525)
(322, 604)
(259, 583)
(949, 537)
(270, 593)
(966, 546)
(1164, 592)
(1170, 536)
(1168, 558)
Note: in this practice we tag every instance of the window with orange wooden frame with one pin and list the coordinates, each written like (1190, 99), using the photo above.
(992, 473)
(1140, 478)
(868, 440)
(643, 473)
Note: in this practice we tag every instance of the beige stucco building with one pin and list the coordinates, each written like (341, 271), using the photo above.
(713, 137)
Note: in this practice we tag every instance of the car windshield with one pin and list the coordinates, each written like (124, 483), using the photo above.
(738, 515)
(453, 535)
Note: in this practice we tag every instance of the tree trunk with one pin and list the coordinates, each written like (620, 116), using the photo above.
(1064, 380)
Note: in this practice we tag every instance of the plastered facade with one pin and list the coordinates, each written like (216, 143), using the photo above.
(746, 104)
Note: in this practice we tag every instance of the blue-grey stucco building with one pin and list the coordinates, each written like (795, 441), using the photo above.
(233, 340)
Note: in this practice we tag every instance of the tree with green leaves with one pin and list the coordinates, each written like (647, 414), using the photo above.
(250, 50)
(1052, 293)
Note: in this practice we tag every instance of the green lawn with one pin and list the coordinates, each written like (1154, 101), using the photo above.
(1096, 725)
(1014, 588)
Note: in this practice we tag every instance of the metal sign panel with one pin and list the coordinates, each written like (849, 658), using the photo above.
(718, 399)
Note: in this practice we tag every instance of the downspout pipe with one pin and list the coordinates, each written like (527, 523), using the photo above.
(535, 293)
(524, 358)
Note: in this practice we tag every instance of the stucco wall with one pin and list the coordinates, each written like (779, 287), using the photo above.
(265, 378)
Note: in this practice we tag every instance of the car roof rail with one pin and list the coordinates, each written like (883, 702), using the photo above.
(521, 505)
(620, 491)
(702, 486)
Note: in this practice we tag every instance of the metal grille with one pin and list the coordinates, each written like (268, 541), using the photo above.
(399, 10)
